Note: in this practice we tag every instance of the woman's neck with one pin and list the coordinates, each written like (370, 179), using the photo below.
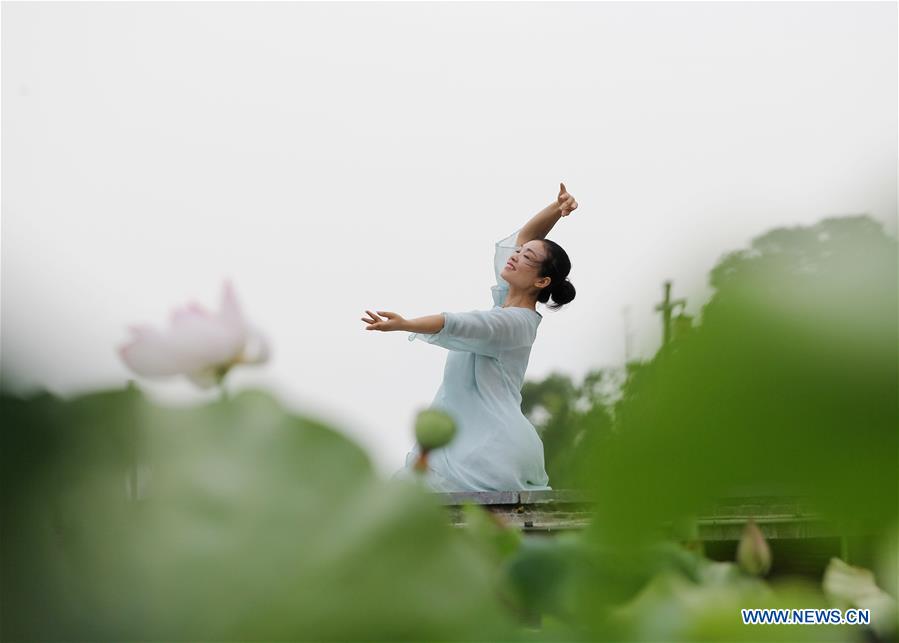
(520, 300)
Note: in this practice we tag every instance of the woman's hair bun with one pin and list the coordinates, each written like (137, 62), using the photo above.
(563, 292)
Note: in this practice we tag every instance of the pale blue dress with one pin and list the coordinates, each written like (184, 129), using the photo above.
(496, 448)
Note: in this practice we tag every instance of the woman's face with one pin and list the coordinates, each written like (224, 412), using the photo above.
(523, 267)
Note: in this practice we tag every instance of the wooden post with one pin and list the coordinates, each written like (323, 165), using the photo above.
(666, 307)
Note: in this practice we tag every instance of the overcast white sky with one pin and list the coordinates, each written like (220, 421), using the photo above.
(332, 158)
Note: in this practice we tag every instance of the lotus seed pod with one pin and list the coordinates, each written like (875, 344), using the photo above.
(434, 429)
(753, 553)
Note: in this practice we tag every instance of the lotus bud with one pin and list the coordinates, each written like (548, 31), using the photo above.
(753, 553)
(434, 429)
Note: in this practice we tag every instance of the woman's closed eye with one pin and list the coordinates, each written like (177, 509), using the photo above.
(528, 255)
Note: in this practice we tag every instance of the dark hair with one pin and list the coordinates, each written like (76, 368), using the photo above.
(556, 266)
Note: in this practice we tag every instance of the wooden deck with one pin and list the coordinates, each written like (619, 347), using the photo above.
(546, 512)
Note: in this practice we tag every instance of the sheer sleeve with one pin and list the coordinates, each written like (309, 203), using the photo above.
(504, 249)
(485, 332)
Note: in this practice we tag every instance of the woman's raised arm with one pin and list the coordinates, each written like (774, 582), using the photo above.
(542, 222)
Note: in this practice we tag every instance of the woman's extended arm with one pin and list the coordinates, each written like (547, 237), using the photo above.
(393, 321)
(542, 222)
(428, 324)
(483, 332)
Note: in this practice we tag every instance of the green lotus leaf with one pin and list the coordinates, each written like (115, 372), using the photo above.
(230, 521)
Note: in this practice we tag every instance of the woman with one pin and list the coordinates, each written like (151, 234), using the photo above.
(495, 448)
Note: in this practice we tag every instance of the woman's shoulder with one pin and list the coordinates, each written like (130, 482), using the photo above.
(528, 313)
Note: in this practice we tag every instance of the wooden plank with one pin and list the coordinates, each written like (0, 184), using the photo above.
(779, 517)
(517, 497)
(556, 495)
(479, 497)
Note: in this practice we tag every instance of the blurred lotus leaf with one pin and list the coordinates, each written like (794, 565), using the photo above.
(789, 382)
(601, 579)
(888, 560)
(540, 575)
(501, 540)
(673, 608)
(256, 524)
(850, 586)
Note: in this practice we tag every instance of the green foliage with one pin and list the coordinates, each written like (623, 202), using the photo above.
(673, 608)
(538, 574)
(255, 525)
(656, 592)
(577, 417)
(498, 540)
(789, 382)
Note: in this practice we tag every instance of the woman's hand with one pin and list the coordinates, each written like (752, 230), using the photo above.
(566, 201)
(392, 321)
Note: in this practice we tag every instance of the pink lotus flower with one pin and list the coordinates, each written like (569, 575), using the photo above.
(198, 344)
